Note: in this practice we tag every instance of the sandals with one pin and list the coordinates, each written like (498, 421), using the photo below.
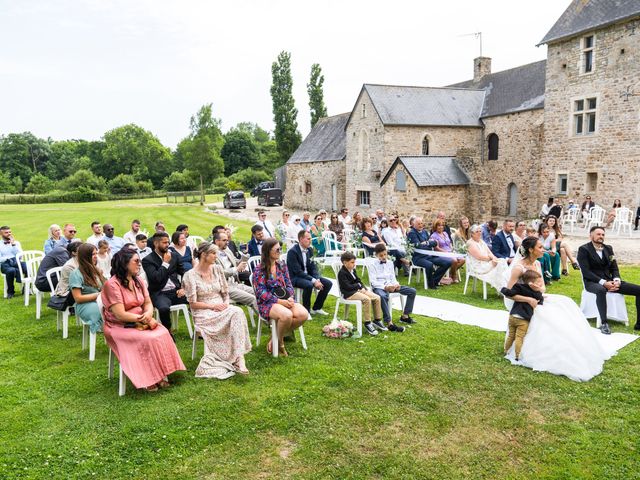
(152, 388)
(575, 266)
(164, 384)
(269, 347)
(283, 351)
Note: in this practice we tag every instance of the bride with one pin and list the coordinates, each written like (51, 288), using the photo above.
(559, 339)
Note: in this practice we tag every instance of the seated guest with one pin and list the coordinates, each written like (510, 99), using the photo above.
(323, 214)
(611, 216)
(85, 283)
(214, 230)
(237, 273)
(115, 243)
(637, 218)
(159, 228)
(317, 239)
(163, 269)
(9, 248)
(62, 288)
(586, 207)
(544, 211)
(283, 227)
(443, 217)
(485, 265)
(232, 245)
(147, 355)
(383, 282)
(370, 237)
(352, 288)
(304, 274)
(445, 245)
(489, 231)
(336, 227)
(305, 223)
(275, 295)
(520, 232)
(257, 239)
(551, 259)
(179, 246)
(97, 234)
(130, 236)
(295, 227)
(394, 237)
(54, 236)
(269, 229)
(462, 235)
(566, 253)
(55, 258)
(68, 235)
(422, 256)
(182, 228)
(504, 245)
(141, 244)
(104, 258)
(356, 221)
(344, 217)
(222, 326)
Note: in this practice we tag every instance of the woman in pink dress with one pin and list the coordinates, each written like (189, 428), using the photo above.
(147, 356)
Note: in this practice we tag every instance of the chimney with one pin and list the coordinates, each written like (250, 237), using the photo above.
(481, 67)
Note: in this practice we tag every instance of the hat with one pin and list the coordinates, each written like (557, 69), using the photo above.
(295, 217)
(570, 201)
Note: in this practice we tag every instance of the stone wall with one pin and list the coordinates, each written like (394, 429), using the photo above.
(612, 153)
(321, 177)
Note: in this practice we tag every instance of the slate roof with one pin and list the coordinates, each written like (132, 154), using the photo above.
(513, 90)
(453, 107)
(584, 15)
(325, 142)
(430, 170)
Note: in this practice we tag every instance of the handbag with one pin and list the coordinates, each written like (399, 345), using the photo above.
(57, 302)
(280, 292)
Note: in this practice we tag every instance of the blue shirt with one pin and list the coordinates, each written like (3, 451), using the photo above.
(8, 251)
(49, 244)
(116, 243)
(63, 242)
(487, 236)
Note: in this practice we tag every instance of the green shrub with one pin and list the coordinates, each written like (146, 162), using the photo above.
(83, 179)
(180, 181)
(38, 183)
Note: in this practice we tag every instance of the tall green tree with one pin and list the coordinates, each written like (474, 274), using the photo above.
(23, 154)
(284, 111)
(316, 94)
(240, 151)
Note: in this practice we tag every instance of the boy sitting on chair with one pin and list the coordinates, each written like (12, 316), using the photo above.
(383, 280)
(352, 288)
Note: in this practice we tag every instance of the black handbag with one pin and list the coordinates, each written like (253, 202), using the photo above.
(280, 292)
(57, 303)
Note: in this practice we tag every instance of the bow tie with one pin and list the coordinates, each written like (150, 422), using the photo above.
(259, 243)
(306, 250)
(7, 243)
(382, 263)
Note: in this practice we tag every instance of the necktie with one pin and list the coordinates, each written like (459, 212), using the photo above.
(265, 227)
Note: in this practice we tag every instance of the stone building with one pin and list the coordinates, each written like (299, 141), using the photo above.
(498, 144)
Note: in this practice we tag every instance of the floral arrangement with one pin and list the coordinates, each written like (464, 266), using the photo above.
(338, 329)
(408, 247)
(230, 227)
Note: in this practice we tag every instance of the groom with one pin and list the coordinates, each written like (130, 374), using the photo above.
(601, 275)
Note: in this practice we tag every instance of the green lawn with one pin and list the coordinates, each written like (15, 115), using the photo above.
(437, 402)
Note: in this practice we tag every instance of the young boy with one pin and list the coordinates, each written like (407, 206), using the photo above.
(141, 243)
(352, 288)
(383, 280)
(526, 295)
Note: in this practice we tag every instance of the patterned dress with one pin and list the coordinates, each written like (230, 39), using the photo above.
(265, 285)
(225, 333)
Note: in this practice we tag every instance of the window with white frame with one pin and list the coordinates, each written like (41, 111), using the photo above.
(588, 53)
(584, 116)
(364, 198)
(562, 184)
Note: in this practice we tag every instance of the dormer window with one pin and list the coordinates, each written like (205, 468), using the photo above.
(588, 53)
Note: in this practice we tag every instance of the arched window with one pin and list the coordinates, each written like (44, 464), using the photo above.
(425, 145)
(493, 142)
(401, 181)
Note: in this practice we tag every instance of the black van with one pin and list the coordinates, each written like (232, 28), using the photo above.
(260, 187)
(270, 196)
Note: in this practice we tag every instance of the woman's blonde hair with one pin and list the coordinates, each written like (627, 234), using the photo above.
(52, 228)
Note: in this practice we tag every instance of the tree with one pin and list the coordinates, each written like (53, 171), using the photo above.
(6, 185)
(284, 111)
(239, 152)
(23, 154)
(316, 94)
(122, 184)
(39, 184)
(180, 181)
(250, 177)
(83, 179)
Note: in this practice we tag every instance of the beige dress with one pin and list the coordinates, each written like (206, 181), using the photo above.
(225, 333)
(496, 276)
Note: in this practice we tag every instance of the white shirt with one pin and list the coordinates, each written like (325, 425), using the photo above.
(393, 238)
(130, 236)
(269, 229)
(512, 252)
(382, 274)
(94, 239)
(143, 252)
(345, 220)
(169, 285)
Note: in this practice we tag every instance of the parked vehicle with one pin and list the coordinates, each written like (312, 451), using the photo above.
(261, 186)
(270, 196)
(234, 199)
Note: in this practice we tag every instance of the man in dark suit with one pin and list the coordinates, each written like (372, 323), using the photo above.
(587, 205)
(637, 218)
(255, 244)
(163, 269)
(55, 258)
(504, 245)
(601, 275)
(304, 274)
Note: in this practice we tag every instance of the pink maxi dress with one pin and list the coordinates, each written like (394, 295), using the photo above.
(146, 356)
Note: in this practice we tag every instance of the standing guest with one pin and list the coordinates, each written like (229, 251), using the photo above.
(68, 235)
(104, 258)
(445, 245)
(520, 232)
(85, 283)
(336, 227)
(97, 234)
(504, 244)
(344, 218)
(317, 239)
(586, 207)
(305, 223)
(147, 356)
(55, 258)
(62, 288)
(551, 259)
(275, 294)
(141, 244)
(257, 239)
(601, 275)
(54, 236)
(232, 245)
(370, 237)
(462, 235)
(546, 208)
(383, 282)
(179, 246)
(304, 274)
(394, 237)
(9, 248)
(352, 288)
(489, 231)
(222, 326)
(443, 216)
(566, 253)
(130, 236)
(269, 229)
(611, 216)
(236, 272)
(422, 256)
(164, 269)
(115, 243)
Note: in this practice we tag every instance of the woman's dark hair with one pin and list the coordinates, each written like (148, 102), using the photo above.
(73, 247)
(265, 257)
(384, 223)
(182, 227)
(617, 203)
(175, 238)
(556, 226)
(366, 220)
(90, 273)
(541, 227)
(119, 266)
(550, 201)
(527, 244)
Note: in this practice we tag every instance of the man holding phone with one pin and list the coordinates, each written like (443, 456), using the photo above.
(8, 264)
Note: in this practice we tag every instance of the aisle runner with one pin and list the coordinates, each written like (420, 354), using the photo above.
(490, 319)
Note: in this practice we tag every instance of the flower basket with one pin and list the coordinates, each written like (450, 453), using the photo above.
(338, 329)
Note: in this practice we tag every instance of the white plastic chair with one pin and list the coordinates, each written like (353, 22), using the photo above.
(616, 306)
(29, 280)
(596, 218)
(623, 221)
(472, 273)
(347, 303)
(196, 240)
(62, 316)
(418, 270)
(32, 268)
(571, 217)
(175, 311)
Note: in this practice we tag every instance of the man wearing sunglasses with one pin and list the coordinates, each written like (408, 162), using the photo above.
(115, 243)
(68, 235)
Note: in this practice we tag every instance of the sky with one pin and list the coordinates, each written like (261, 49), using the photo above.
(76, 69)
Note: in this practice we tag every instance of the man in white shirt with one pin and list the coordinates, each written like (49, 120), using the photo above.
(130, 236)
(393, 237)
(9, 248)
(344, 217)
(96, 228)
(269, 229)
(383, 282)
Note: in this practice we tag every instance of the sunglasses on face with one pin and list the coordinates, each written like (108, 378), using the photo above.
(287, 215)
(72, 231)
(277, 250)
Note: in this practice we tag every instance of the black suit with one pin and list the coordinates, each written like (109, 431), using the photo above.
(158, 276)
(594, 269)
(304, 280)
(637, 217)
(349, 284)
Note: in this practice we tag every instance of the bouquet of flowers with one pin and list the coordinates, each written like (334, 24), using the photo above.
(338, 329)
(408, 247)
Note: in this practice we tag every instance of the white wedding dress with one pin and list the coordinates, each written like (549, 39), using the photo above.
(560, 339)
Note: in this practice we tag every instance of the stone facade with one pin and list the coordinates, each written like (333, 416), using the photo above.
(310, 186)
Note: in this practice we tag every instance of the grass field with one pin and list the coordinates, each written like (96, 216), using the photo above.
(437, 402)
